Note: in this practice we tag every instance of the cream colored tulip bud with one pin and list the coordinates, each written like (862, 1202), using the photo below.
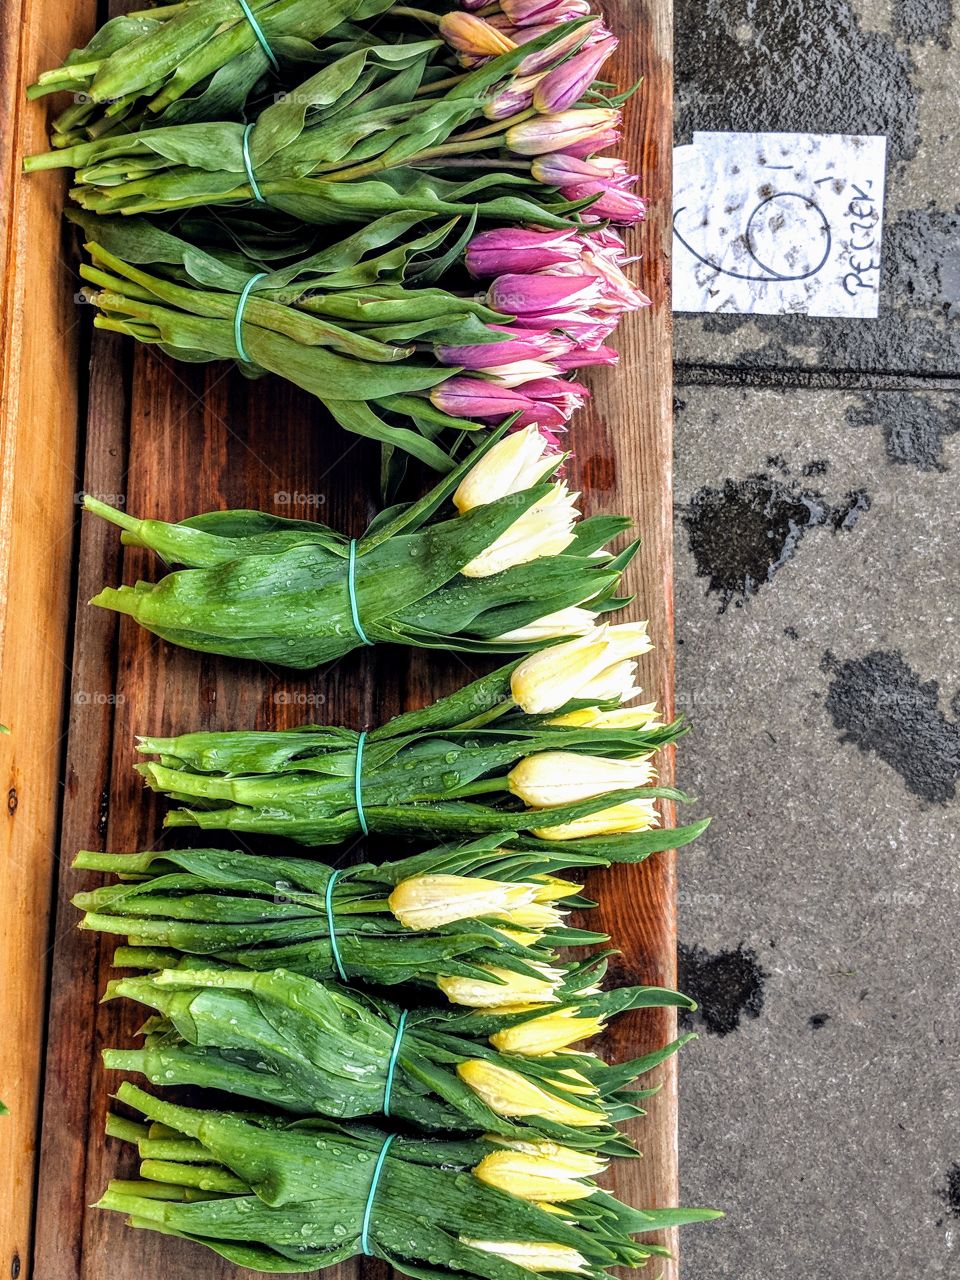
(513, 989)
(514, 1097)
(549, 679)
(429, 901)
(553, 889)
(633, 815)
(547, 1034)
(545, 529)
(644, 717)
(533, 1256)
(539, 916)
(543, 1171)
(549, 778)
(573, 621)
(520, 371)
(517, 462)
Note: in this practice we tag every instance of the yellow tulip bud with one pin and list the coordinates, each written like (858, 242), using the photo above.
(553, 889)
(643, 717)
(542, 1171)
(533, 1256)
(429, 901)
(633, 815)
(514, 988)
(517, 462)
(547, 1034)
(549, 778)
(471, 35)
(513, 1096)
(595, 665)
(545, 529)
(572, 621)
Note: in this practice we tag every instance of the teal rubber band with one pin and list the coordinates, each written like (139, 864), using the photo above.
(358, 783)
(368, 1209)
(238, 316)
(331, 926)
(258, 32)
(394, 1055)
(248, 165)
(352, 589)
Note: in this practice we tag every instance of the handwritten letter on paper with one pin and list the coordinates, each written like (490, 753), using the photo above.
(778, 223)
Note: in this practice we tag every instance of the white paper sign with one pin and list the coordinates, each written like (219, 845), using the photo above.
(774, 223)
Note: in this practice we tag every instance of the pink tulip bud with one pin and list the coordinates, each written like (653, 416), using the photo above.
(599, 142)
(560, 132)
(526, 12)
(471, 35)
(567, 83)
(488, 355)
(559, 169)
(548, 295)
(580, 357)
(474, 398)
(514, 97)
(622, 207)
(548, 58)
(565, 396)
(512, 249)
(473, 4)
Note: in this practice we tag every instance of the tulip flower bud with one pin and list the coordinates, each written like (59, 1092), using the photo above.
(549, 679)
(513, 1096)
(566, 84)
(538, 1171)
(550, 778)
(525, 12)
(572, 621)
(581, 357)
(558, 294)
(598, 142)
(560, 132)
(429, 901)
(544, 60)
(512, 989)
(545, 529)
(547, 1034)
(633, 815)
(644, 717)
(518, 461)
(471, 35)
(515, 96)
(532, 1255)
(514, 249)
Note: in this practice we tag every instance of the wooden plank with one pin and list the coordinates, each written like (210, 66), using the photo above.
(198, 438)
(39, 337)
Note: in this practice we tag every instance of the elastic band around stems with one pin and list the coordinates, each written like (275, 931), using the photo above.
(332, 928)
(248, 165)
(371, 1196)
(258, 32)
(352, 589)
(238, 315)
(392, 1067)
(358, 783)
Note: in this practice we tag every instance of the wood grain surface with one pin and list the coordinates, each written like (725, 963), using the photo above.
(167, 439)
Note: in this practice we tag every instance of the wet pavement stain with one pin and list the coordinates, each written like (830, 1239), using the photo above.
(880, 705)
(727, 985)
(744, 532)
(914, 426)
(950, 1193)
(921, 20)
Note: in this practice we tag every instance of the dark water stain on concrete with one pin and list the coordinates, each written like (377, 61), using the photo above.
(791, 66)
(744, 532)
(727, 985)
(915, 426)
(920, 20)
(950, 1193)
(880, 704)
(816, 1021)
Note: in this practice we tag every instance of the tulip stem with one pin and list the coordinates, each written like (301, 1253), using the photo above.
(449, 83)
(481, 788)
(491, 714)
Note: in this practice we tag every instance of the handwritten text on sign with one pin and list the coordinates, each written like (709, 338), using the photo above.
(778, 223)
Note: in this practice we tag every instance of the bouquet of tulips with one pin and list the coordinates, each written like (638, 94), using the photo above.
(540, 745)
(480, 922)
(293, 1197)
(511, 569)
(366, 134)
(362, 325)
(288, 1041)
